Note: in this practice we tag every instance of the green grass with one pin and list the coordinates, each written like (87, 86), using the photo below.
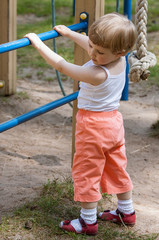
(154, 73)
(40, 8)
(155, 129)
(63, 12)
(40, 218)
(29, 57)
(21, 95)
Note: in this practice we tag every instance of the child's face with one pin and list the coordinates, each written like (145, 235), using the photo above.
(99, 55)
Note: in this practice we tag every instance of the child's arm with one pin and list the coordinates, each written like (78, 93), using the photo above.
(93, 75)
(80, 39)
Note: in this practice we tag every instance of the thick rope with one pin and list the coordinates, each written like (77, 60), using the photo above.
(141, 60)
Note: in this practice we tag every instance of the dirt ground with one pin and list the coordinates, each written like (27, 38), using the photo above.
(40, 149)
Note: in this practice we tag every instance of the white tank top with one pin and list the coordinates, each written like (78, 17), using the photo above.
(103, 97)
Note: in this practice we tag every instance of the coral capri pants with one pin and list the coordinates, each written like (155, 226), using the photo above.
(100, 161)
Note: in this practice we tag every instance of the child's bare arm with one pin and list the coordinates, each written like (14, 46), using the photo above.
(80, 39)
(93, 75)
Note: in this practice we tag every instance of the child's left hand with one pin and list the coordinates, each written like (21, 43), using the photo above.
(34, 39)
(63, 30)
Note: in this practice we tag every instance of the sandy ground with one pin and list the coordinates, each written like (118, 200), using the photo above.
(40, 149)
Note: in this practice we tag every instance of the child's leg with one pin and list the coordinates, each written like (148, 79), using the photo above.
(87, 223)
(124, 213)
(125, 196)
(89, 205)
(89, 212)
(125, 204)
(88, 164)
(115, 179)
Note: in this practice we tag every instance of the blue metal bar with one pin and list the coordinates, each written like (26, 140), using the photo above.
(38, 111)
(6, 47)
(127, 12)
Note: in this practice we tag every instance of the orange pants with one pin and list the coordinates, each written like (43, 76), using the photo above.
(100, 160)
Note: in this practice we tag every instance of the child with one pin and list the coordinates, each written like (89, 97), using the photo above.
(100, 159)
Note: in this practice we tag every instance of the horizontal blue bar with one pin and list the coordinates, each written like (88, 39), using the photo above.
(38, 111)
(6, 47)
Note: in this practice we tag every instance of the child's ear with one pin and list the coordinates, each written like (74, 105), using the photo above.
(121, 54)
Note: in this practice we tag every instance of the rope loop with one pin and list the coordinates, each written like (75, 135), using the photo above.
(139, 67)
(141, 60)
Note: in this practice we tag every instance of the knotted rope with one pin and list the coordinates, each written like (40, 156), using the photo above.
(141, 60)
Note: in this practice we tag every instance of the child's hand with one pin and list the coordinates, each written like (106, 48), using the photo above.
(63, 30)
(34, 39)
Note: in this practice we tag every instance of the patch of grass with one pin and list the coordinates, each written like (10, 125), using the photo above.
(4, 99)
(67, 53)
(152, 15)
(155, 129)
(49, 79)
(153, 26)
(40, 8)
(22, 95)
(40, 74)
(28, 56)
(40, 218)
(31, 58)
(37, 27)
(154, 75)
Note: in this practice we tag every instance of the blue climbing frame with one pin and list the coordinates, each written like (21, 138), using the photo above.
(38, 111)
(6, 47)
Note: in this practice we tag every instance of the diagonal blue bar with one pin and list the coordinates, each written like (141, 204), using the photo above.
(6, 47)
(38, 111)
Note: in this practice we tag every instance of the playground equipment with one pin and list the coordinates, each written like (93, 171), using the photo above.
(95, 9)
(38, 111)
(141, 60)
(6, 47)
(83, 25)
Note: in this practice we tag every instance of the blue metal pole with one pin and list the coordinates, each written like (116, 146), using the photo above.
(6, 47)
(73, 8)
(127, 8)
(127, 12)
(117, 5)
(38, 111)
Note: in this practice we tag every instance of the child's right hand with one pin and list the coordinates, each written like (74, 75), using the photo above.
(62, 29)
(34, 39)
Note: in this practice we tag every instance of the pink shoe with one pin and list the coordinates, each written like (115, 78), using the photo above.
(89, 229)
(127, 219)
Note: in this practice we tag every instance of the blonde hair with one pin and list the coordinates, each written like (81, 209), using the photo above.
(113, 31)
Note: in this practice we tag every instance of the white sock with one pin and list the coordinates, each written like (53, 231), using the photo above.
(76, 224)
(89, 215)
(125, 206)
(112, 212)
